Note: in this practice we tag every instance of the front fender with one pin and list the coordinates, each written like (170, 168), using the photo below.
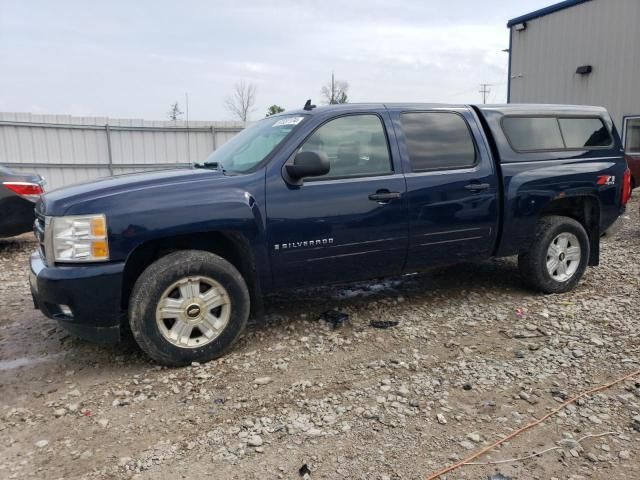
(220, 203)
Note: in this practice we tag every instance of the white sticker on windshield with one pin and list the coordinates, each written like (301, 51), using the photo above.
(288, 121)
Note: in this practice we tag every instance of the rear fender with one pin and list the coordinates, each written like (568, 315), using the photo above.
(560, 188)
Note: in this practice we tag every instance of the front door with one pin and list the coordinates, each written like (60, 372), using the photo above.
(349, 224)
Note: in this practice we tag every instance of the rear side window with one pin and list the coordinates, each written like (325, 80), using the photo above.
(438, 141)
(526, 134)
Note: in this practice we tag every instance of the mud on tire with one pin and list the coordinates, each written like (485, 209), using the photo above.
(535, 264)
(176, 285)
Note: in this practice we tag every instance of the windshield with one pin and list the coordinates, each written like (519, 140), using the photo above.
(248, 148)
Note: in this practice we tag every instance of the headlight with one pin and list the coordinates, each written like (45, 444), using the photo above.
(81, 238)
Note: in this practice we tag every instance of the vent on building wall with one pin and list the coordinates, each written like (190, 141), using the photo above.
(584, 69)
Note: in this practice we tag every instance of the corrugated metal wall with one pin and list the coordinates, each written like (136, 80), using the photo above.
(67, 150)
(601, 33)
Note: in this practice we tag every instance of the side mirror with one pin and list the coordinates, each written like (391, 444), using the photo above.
(308, 164)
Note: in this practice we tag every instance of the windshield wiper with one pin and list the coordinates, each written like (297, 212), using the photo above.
(210, 165)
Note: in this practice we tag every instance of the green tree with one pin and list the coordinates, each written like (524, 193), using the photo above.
(273, 110)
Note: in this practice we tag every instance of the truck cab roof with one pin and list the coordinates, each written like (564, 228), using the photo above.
(503, 108)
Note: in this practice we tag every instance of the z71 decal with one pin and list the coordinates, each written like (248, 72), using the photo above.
(606, 180)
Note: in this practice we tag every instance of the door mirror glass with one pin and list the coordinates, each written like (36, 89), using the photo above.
(308, 164)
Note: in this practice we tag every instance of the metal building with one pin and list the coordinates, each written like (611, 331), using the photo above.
(582, 52)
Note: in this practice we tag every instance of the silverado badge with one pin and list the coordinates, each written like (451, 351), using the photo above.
(306, 243)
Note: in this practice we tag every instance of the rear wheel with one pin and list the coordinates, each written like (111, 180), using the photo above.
(189, 306)
(558, 256)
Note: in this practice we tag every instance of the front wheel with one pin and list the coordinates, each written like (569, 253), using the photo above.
(558, 255)
(188, 306)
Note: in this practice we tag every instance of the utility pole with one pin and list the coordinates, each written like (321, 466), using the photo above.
(485, 90)
(186, 100)
(333, 89)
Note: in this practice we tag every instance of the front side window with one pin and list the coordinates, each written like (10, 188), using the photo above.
(632, 136)
(356, 146)
(251, 146)
(437, 141)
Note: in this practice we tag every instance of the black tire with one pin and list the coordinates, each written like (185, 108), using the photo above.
(533, 264)
(157, 278)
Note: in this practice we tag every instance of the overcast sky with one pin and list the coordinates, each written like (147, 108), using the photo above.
(135, 58)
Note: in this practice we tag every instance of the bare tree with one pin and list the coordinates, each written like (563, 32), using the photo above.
(335, 91)
(242, 101)
(175, 112)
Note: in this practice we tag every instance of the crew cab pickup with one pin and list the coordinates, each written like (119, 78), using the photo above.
(326, 195)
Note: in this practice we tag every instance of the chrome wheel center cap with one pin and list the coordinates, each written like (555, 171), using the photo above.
(193, 311)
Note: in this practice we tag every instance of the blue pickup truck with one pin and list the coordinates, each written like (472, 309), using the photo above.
(182, 257)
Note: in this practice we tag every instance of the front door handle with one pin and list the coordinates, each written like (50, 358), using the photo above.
(384, 196)
(477, 187)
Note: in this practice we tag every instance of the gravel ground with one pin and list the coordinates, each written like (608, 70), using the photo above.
(474, 356)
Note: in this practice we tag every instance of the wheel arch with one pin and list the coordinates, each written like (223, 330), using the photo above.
(586, 210)
(230, 245)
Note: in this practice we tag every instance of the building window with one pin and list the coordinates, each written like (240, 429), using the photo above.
(437, 141)
(632, 135)
(529, 134)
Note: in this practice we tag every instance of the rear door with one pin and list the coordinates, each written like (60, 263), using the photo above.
(349, 224)
(452, 186)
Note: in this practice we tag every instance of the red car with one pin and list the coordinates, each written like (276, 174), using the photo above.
(18, 194)
(632, 148)
(633, 161)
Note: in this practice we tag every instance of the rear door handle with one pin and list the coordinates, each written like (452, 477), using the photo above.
(384, 196)
(477, 187)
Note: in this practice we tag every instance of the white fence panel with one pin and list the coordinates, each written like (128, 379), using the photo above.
(67, 150)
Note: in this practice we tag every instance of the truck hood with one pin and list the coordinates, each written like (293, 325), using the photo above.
(59, 201)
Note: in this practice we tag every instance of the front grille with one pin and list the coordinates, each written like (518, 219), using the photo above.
(38, 230)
